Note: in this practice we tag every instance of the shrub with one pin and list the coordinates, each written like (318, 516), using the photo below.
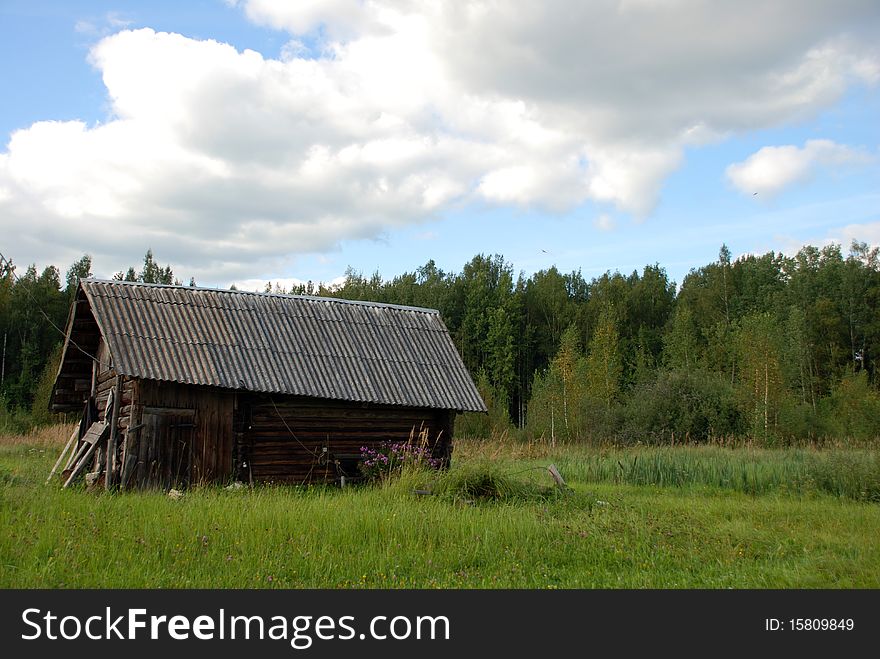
(694, 405)
(14, 421)
(798, 421)
(852, 411)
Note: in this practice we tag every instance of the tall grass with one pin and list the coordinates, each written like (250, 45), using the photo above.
(494, 520)
(43, 437)
(745, 471)
(853, 474)
(846, 472)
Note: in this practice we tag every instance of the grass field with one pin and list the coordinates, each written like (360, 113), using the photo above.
(639, 518)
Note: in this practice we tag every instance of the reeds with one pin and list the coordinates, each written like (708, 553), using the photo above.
(45, 437)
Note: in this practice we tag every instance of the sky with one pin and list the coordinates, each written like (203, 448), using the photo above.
(264, 140)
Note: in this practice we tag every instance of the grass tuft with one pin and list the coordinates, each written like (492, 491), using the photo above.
(492, 481)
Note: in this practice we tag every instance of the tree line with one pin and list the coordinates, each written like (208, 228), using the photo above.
(33, 316)
(766, 347)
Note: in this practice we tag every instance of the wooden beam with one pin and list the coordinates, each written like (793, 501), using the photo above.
(110, 471)
(67, 446)
(91, 440)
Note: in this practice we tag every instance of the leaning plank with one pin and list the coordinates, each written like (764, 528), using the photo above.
(75, 457)
(63, 453)
(128, 469)
(92, 438)
(95, 431)
(85, 445)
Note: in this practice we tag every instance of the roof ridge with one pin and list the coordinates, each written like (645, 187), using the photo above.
(307, 298)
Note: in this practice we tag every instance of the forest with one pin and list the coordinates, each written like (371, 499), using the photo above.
(771, 349)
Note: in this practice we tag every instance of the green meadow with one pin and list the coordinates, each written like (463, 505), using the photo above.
(683, 517)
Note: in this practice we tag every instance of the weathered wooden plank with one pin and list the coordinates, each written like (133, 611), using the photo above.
(94, 378)
(102, 429)
(110, 469)
(129, 455)
(94, 433)
(143, 451)
(67, 446)
(168, 411)
(74, 459)
(130, 423)
(129, 465)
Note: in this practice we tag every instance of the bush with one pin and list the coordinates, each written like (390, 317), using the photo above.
(14, 421)
(694, 405)
(799, 422)
(852, 411)
(40, 413)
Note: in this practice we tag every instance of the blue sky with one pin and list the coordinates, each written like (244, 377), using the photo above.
(599, 137)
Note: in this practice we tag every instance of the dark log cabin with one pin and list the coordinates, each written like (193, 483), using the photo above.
(183, 385)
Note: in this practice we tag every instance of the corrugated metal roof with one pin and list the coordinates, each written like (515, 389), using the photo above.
(285, 344)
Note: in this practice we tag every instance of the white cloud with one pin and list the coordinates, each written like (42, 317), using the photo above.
(773, 168)
(110, 22)
(227, 162)
(343, 17)
(85, 27)
(861, 232)
(605, 222)
(257, 285)
(869, 232)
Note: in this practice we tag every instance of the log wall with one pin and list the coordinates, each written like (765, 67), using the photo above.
(173, 435)
(289, 439)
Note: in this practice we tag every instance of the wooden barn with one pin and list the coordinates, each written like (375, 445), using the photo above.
(182, 385)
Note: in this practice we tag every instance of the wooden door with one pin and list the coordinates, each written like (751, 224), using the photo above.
(166, 445)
